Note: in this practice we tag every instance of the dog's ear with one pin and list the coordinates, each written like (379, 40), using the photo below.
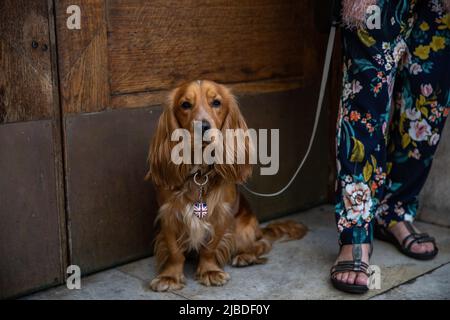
(162, 171)
(236, 172)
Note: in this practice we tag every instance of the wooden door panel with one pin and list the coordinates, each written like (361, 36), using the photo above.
(32, 249)
(32, 220)
(82, 58)
(153, 44)
(128, 54)
(26, 76)
(111, 207)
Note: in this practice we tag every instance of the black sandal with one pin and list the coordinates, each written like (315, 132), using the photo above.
(383, 233)
(355, 265)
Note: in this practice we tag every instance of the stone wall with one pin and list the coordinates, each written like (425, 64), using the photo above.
(435, 197)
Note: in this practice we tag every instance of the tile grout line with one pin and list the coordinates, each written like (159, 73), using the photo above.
(317, 227)
(433, 224)
(145, 280)
(181, 295)
(412, 279)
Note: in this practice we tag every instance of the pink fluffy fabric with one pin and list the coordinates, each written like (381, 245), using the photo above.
(354, 11)
(447, 5)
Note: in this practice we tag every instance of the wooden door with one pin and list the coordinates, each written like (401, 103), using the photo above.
(32, 220)
(115, 73)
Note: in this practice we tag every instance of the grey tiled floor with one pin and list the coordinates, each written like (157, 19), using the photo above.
(295, 270)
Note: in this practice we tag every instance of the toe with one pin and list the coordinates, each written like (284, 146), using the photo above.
(166, 283)
(213, 278)
(362, 279)
(344, 277)
(417, 248)
(351, 278)
(339, 277)
(425, 247)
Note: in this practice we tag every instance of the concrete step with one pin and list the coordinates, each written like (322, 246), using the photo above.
(295, 270)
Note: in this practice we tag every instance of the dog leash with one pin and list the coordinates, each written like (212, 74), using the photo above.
(323, 85)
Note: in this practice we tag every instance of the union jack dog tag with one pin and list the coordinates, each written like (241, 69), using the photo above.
(200, 209)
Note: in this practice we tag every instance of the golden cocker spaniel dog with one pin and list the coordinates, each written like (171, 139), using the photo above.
(222, 228)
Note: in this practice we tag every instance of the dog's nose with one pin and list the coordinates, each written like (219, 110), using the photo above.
(205, 126)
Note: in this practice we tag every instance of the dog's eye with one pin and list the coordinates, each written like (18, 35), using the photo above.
(186, 105)
(216, 103)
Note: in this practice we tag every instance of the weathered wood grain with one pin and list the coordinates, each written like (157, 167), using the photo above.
(25, 72)
(144, 99)
(155, 45)
(83, 65)
(128, 53)
(33, 226)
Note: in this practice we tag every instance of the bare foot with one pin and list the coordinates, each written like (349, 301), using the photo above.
(400, 231)
(351, 277)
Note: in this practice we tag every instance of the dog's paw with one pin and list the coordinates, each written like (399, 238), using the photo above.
(213, 278)
(167, 283)
(246, 259)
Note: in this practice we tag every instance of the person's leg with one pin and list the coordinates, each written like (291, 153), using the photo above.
(370, 63)
(422, 106)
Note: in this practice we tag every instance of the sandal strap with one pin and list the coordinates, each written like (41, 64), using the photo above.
(409, 226)
(343, 266)
(426, 238)
(407, 238)
(356, 265)
(420, 238)
(357, 252)
(352, 263)
(415, 237)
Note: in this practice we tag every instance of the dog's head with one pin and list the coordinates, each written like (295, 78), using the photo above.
(207, 105)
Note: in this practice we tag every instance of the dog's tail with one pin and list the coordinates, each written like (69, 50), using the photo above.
(286, 230)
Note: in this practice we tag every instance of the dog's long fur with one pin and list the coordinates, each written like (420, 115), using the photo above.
(230, 233)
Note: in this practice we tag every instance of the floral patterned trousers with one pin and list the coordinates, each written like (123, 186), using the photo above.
(395, 100)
